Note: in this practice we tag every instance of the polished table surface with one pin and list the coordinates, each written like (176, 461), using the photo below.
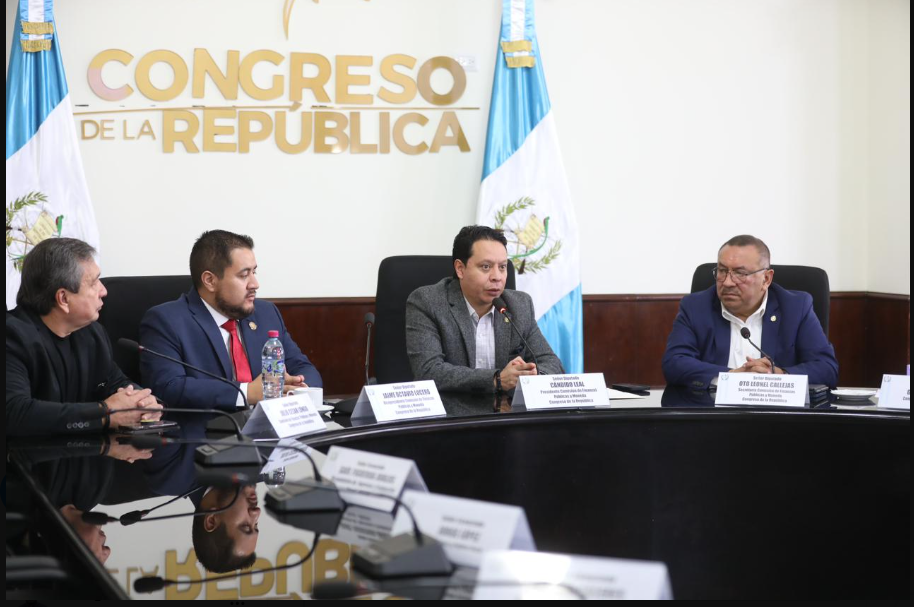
(741, 502)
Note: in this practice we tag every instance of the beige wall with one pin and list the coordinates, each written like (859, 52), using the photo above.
(682, 122)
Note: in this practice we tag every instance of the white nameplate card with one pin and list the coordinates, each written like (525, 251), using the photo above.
(766, 389)
(562, 576)
(895, 392)
(372, 473)
(467, 528)
(282, 455)
(395, 402)
(283, 417)
(364, 526)
(561, 391)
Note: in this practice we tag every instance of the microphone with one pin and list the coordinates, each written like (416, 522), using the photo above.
(136, 347)
(347, 406)
(92, 414)
(148, 441)
(402, 555)
(145, 585)
(137, 516)
(369, 322)
(502, 308)
(746, 335)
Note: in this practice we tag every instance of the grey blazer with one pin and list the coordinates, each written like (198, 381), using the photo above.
(441, 338)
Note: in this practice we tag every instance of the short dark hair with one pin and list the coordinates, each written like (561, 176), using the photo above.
(746, 240)
(215, 550)
(55, 263)
(213, 252)
(463, 242)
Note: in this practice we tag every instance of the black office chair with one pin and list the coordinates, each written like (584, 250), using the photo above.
(397, 278)
(129, 297)
(795, 278)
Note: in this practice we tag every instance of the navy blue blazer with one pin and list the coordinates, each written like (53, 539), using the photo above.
(184, 329)
(699, 344)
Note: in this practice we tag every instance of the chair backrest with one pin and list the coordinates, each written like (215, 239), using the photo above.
(795, 278)
(398, 277)
(128, 299)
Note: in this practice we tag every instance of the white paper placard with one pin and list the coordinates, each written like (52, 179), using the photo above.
(394, 402)
(895, 392)
(284, 417)
(364, 526)
(766, 389)
(558, 576)
(561, 391)
(467, 528)
(282, 456)
(373, 473)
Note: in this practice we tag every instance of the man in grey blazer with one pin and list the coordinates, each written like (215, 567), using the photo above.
(454, 334)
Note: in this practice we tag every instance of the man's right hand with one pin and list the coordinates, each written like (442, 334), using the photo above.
(513, 371)
(131, 399)
(255, 388)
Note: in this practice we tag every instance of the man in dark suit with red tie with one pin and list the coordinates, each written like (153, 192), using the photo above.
(219, 326)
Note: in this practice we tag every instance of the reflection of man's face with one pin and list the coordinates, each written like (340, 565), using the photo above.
(483, 277)
(91, 535)
(240, 519)
(236, 290)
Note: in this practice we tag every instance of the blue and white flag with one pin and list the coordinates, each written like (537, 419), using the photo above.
(525, 191)
(46, 192)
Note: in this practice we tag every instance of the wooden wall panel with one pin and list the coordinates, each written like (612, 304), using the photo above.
(624, 336)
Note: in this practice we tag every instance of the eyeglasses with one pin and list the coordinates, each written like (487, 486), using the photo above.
(738, 276)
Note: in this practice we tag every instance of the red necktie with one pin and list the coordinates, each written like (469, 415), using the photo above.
(239, 357)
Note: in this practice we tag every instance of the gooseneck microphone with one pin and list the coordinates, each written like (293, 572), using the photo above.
(369, 323)
(746, 335)
(502, 308)
(152, 441)
(136, 347)
(97, 517)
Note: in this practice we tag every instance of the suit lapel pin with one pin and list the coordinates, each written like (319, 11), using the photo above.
(253, 325)
(506, 320)
(774, 319)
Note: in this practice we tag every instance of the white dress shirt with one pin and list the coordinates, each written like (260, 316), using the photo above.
(740, 347)
(485, 337)
(227, 339)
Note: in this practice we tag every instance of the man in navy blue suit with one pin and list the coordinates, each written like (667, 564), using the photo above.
(219, 326)
(706, 337)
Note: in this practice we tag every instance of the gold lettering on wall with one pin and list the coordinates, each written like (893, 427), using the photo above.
(178, 67)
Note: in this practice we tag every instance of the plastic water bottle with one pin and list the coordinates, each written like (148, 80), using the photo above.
(274, 367)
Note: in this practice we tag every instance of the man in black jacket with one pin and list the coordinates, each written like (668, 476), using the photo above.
(60, 377)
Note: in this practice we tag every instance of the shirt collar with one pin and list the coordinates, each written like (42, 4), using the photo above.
(218, 316)
(474, 315)
(760, 312)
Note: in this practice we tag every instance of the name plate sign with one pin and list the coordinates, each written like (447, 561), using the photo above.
(895, 392)
(561, 391)
(762, 389)
(288, 451)
(372, 473)
(395, 402)
(467, 528)
(284, 417)
(562, 576)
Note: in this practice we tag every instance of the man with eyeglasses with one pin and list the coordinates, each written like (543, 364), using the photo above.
(706, 338)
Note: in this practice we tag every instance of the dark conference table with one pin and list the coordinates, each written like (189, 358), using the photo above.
(739, 502)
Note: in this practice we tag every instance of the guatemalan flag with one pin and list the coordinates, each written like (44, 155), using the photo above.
(46, 192)
(524, 189)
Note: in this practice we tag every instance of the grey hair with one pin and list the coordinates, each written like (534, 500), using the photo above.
(56, 263)
(745, 240)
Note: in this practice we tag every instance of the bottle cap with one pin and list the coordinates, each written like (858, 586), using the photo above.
(273, 333)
